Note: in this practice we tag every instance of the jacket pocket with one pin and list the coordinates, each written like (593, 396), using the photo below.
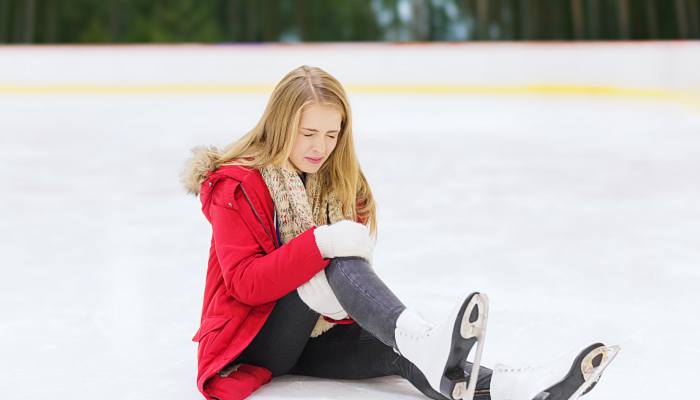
(209, 325)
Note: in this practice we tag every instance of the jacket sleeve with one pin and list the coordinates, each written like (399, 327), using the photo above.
(250, 275)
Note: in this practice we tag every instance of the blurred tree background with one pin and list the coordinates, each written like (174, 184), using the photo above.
(218, 21)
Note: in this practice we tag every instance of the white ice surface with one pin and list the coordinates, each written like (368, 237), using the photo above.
(580, 217)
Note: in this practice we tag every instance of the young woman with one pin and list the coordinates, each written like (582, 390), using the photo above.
(290, 287)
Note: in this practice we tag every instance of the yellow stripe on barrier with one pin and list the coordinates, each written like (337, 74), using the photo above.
(688, 99)
(684, 98)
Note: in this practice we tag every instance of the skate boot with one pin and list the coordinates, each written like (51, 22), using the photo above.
(558, 380)
(440, 351)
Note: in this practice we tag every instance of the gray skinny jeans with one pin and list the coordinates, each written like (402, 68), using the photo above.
(365, 297)
(356, 351)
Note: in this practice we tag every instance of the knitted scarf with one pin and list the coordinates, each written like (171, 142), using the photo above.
(299, 208)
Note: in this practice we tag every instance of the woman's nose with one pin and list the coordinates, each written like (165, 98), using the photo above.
(318, 144)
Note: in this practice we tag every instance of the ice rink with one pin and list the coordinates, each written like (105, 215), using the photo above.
(561, 180)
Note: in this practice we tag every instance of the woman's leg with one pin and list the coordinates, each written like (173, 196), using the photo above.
(438, 351)
(365, 297)
(350, 352)
(283, 336)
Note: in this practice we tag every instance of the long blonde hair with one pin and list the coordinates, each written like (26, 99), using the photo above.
(272, 139)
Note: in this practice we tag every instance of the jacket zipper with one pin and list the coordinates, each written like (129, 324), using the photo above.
(267, 232)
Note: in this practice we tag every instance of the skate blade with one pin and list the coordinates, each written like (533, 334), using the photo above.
(476, 329)
(592, 373)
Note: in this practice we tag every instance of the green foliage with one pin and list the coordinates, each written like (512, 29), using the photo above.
(210, 21)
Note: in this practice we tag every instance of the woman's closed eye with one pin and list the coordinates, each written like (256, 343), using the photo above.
(311, 134)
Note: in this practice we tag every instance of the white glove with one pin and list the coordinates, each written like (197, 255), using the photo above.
(318, 295)
(344, 239)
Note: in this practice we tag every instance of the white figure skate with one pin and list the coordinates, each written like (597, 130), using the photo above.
(552, 381)
(440, 351)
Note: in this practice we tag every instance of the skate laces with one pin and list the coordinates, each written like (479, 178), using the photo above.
(423, 333)
(414, 326)
(514, 369)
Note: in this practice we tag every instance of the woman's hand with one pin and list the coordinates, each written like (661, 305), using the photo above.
(344, 239)
(318, 295)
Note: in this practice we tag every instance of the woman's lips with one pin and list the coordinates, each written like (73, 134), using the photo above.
(314, 160)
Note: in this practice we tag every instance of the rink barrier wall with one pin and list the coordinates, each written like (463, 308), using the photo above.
(661, 71)
(686, 99)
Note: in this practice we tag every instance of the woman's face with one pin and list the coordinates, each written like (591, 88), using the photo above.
(319, 127)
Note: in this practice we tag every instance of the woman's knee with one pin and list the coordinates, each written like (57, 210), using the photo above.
(342, 263)
(344, 271)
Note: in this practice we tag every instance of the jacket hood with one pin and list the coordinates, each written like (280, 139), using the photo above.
(201, 176)
(202, 162)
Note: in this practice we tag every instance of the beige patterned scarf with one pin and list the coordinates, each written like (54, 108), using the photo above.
(299, 208)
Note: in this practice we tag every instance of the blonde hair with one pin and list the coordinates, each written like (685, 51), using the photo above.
(271, 141)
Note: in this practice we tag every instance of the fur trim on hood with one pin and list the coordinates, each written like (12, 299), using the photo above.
(204, 160)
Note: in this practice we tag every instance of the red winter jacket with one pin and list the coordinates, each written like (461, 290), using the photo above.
(247, 272)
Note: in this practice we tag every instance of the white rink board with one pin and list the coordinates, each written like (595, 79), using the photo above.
(578, 214)
(670, 65)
